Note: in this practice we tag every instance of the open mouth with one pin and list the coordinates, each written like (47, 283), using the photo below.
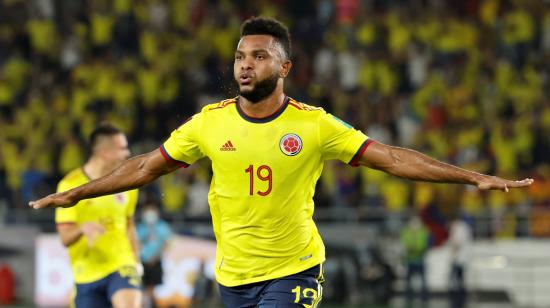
(245, 79)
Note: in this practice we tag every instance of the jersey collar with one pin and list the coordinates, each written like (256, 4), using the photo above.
(264, 119)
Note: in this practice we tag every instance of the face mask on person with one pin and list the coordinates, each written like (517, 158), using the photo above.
(150, 217)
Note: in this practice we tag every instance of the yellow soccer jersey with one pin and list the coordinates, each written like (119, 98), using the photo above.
(110, 251)
(261, 195)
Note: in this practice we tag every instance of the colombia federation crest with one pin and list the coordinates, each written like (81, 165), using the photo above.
(290, 144)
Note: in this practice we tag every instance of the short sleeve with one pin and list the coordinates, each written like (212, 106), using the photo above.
(339, 140)
(65, 215)
(183, 145)
(132, 202)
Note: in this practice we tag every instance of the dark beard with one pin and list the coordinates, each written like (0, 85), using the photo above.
(262, 89)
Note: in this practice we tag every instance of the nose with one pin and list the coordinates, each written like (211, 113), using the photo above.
(247, 63)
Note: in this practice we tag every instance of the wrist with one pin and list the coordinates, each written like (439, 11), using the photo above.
(71, 196)
(476, 179)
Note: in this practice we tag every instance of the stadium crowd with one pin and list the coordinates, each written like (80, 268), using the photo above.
(464, 81)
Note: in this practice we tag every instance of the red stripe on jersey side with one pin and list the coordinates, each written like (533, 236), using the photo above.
(355, 160)
(169, 159)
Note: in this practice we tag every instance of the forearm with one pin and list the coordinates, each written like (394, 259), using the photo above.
(134, 242)
(410, 164)
(70, 234)
(131, 174)
(413, 165)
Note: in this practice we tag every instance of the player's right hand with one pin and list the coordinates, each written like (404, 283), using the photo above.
(52, 201)
(488, 182)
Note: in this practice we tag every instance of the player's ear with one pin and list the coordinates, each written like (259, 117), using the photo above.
(285, 68)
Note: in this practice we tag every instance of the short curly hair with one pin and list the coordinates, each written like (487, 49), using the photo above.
(268, 26)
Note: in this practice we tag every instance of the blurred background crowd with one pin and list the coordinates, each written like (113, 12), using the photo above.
(464, 81)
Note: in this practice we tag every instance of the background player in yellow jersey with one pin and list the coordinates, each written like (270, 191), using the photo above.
(99, 233)
(267, 152)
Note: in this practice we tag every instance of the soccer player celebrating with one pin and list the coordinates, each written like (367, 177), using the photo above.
(267, 152)
(99, 233)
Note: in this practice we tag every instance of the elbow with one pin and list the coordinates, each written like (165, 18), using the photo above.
(393, 165)
(140, 174)
(148, 169)
(144, 177)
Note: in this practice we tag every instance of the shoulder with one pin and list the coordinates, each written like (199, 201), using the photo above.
(305, 112)
(219, 105)
(206, 111)
(292, 103)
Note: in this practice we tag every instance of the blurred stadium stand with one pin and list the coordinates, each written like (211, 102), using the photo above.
(464, 81)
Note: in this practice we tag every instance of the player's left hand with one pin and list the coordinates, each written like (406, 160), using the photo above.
(140, 269)
(53, 201)
(496, 183)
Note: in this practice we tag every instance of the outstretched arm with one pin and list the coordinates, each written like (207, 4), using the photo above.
(133, 173)
(413, 165)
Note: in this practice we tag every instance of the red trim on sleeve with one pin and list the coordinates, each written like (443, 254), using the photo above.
(170, 159)
(355, 160)
(65, 223)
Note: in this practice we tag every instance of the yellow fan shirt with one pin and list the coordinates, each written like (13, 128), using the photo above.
(264, 175)
(111, 250)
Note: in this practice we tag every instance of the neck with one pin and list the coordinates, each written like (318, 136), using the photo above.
(96, 168)
(265, 107)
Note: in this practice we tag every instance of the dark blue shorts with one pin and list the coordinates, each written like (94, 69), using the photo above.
(98, 293)
(299, 290)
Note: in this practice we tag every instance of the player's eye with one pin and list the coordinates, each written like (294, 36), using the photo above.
(260, 57)
(238, 57)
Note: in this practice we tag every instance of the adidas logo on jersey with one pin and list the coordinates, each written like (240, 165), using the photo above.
(228, 146)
